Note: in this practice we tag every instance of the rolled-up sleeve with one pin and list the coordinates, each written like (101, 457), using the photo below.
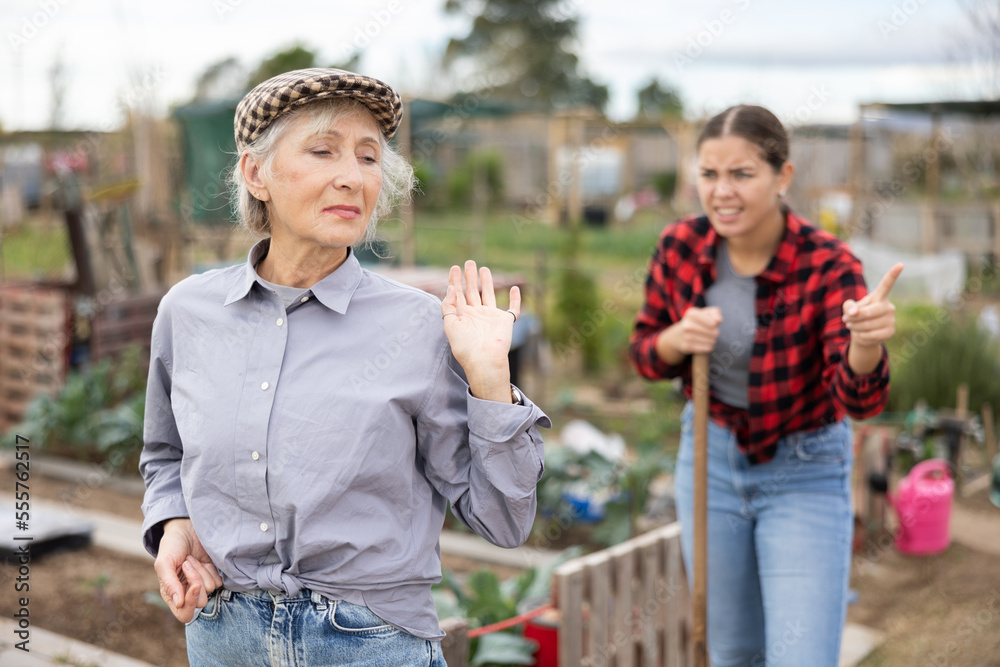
(160, 462)
(485, 457)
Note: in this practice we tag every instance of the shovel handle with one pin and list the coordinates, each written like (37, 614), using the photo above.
(699, 379)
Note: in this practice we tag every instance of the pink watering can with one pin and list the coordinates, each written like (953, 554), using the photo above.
(923, 504)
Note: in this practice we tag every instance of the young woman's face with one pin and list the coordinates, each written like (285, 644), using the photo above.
(323, 187)
(737, 187)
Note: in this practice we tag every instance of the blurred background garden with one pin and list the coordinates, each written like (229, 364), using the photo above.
(533, 159)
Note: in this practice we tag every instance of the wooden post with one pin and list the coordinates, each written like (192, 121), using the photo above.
(989, 433)
(404, 140)
(856, 177)
(996, 233)
(558, 129)
(540, 305)
(962, 401)
(699, 602)
(574, 204)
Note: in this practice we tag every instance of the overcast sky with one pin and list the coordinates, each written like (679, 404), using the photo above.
(808, 61)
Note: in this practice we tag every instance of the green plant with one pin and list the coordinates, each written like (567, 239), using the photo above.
(96, 416)
(99, 585)
(483, 169)
(933, 354)
(624, 485)
(630, 494)
(423, 171)
(483, 599)
(580, 322)
(665, 183)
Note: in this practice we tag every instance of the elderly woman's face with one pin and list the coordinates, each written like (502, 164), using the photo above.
(323, 187)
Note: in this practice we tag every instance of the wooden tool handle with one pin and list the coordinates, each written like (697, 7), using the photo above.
(699, 393)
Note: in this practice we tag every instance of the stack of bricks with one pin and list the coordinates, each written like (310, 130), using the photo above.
(35, 337)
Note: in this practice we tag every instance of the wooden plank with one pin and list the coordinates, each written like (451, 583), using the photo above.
(649, 609)
(684, 603)
(600, 649)
(624, 574)
(30, 323)
(570, 586)
(50, 342)
(674, 655)
(121, 324)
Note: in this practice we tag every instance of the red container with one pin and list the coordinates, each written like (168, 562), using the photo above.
(545, 630)
(923, 504)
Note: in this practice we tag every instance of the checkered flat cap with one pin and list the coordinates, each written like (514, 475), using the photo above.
(270, 99)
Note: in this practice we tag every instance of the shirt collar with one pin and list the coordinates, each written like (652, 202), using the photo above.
(784, 256)
(334, 291)
(779, 266)
(706, 258)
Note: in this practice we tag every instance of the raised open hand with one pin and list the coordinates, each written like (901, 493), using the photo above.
(872, 320)
(478, 331)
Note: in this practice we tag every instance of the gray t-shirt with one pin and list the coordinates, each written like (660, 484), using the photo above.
(288, 295)
(729, 363)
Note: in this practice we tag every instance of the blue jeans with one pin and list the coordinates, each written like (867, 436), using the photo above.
(779, 545)
(265, 629)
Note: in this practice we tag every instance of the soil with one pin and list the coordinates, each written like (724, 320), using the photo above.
(940, 610)
(935, 611)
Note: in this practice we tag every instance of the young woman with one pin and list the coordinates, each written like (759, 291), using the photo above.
(795, 346)
(307, 420)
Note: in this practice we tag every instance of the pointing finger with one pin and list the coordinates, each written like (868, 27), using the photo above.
(881, 292)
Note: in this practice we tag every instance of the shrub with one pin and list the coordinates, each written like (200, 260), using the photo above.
(665, 183)
(933, 354)
(487, 166)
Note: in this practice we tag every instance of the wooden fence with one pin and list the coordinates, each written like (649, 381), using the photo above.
(122, 323)
(626, 606)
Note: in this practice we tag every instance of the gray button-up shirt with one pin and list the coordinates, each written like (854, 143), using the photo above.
(315, 445)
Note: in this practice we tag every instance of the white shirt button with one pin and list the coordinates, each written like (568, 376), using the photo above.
(263, 526)
(304, 299)
(264, 386)
(255, 456)
(280, 322)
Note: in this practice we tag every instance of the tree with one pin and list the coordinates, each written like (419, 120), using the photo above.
(294, 57)
(228, 79)
(57, 86)
(981, 46)
(659, 101)
(526, 46)
(225, 79)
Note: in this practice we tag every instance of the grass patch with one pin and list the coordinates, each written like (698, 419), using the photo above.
(510, 241)
(33, 251)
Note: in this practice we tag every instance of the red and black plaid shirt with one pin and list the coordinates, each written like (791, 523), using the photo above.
(799, 378)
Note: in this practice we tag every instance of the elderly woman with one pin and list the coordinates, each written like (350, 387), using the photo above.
(307, 420)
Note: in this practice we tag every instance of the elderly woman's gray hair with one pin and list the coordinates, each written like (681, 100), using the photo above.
(397, 174)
